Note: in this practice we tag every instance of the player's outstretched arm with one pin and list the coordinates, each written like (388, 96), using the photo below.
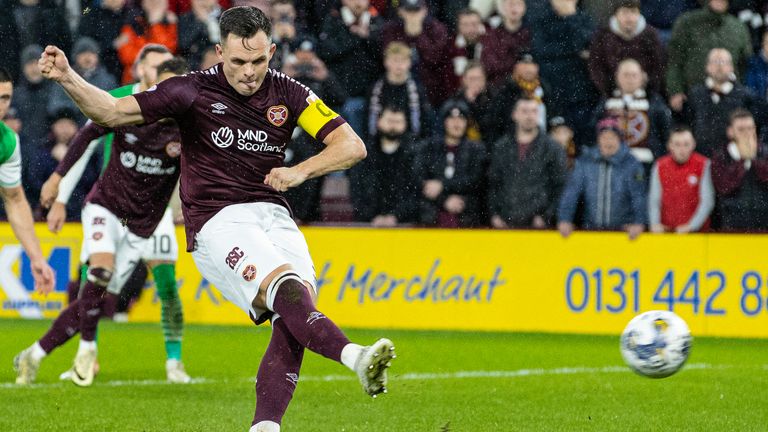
(20, 218)
(96, 104)
(78, 147)
(343, 150)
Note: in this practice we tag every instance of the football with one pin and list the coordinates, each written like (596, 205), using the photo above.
(656, 344)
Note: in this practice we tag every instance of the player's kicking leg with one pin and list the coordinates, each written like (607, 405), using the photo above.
(256, 256)
(161, 254)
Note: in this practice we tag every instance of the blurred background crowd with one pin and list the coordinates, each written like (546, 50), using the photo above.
(537, 114)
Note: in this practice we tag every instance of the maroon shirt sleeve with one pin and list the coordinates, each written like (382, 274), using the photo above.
(169, 99)
(79, 145)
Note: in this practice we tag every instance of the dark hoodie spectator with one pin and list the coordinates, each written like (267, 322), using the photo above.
(474, 93)
(384, 187)
(31, 96)
(626, 36)
(611, 183)
(452, 171)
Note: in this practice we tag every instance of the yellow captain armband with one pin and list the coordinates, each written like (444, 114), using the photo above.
(315, 116)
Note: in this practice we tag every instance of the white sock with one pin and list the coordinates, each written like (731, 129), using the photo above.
(37, 352)
(349, 355)
(86, 346)
(265, 426)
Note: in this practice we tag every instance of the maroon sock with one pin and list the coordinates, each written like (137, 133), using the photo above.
(91, 305)
(311, 328)
(110, 305)
(66, 325)
(278, 374)
(73, 289)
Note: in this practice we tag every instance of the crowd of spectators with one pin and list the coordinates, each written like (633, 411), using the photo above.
(600, 114)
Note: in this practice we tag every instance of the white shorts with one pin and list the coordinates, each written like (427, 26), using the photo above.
(103, 233)
(162, 246)
(243, 243)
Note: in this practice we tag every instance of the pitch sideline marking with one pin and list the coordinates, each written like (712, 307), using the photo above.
(412, 376)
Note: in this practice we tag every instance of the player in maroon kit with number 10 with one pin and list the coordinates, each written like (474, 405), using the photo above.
(236, 119)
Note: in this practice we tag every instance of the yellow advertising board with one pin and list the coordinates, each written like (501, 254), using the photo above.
(473, 280)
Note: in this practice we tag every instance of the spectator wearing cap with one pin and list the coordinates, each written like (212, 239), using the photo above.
(681, 195)
(523, 82)
(711, 102)
(350, 45)
(694, 36)
(452, 171)
(384, 187)
(428, 39)
(31, 98)
(103, 25)
(563, 63)
(199, 29)
(152, 23)
(86, 63)
(305, 66)
(644, 117)
(467, 46)
(398, 88)
(63, 128)
(562, 133)
(507, 37)
(611, 183)
(526, 174)
(474, 93)
(627, 36)
(740, 176)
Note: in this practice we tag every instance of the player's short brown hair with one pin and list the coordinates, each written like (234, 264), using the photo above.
(5, 76)
(151, 48)
(176, 66)
(628, 4)
(244, 22)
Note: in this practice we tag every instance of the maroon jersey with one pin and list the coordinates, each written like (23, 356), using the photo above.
(141, 173)
(231, 142)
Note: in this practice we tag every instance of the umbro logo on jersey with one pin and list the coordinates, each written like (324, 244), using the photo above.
(218, 108)
(131, 138)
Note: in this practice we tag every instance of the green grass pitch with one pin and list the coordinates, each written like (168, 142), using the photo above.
(441, 381)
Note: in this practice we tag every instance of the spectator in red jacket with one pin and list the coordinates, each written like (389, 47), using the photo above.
(626, 36)
(681, 195)
(428, 40)
(153, 23)
(507, 37)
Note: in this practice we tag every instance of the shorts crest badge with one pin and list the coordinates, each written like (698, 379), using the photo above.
(249, 272)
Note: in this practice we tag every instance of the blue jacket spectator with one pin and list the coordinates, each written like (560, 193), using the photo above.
(611, 183)
(757, 71)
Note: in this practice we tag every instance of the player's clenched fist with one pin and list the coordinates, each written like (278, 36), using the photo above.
(283, 179)
(53, 63)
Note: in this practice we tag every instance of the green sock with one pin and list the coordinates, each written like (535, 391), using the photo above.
(171, 313)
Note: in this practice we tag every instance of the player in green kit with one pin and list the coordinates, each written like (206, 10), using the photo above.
(162, 251)
(14, 200)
